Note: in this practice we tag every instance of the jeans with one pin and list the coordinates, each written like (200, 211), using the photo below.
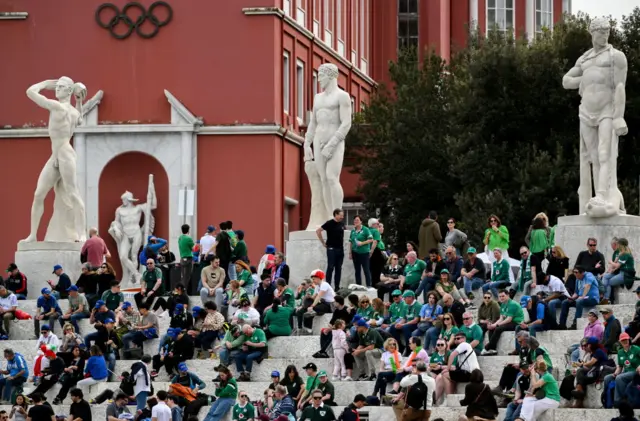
(136, 337)
(513, 411)
(622, 380)
(574, 351)
(111, 363)
(90, 337)
(426, 284)
(219, 409)
(610, 280)
(553, 305)
(579, 304)
(335, 257)
(218, 298)
(73, 319)
(383, 378)
(7, 387)
(431, 338)
(206, 339)
(20, 296)
(472, 284)
(141, 400)
(232, 271)
(50, 320)
(226, 355)
(532, 332)
(493, 286)
(56, 295)
(246, 358)
(361, 260)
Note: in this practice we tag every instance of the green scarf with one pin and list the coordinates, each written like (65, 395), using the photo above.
(525, 269)
(395, 361)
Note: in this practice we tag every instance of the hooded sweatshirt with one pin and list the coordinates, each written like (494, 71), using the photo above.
(429, 237)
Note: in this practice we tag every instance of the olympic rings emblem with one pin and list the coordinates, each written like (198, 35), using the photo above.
(144, 15)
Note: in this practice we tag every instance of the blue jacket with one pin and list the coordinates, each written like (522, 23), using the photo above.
(96, 367)
(155, 247)
(47, 305)
(17, 365)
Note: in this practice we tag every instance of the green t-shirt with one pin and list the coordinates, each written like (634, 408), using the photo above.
(150, 279)
(626, 262)
(413, 272)
(615, 255)
(513, 310)
(412, 311)
(233, 238)
(366, 313)
(371, 337)
(436, 358)
(111, 300)
(447, 334)
(500, 271)
(473, 333)
(363, 235)
(378, 238)
(550, 387)
(185, 245)
(629, 360)
(288, 298)
(243, 413)
(312, 383)
(245, 276)
(278, 322)
(259, 336)
(397, 310)
(498, 240)
(534, 354)
(539, 240)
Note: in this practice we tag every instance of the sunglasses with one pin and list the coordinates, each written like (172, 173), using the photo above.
(393, 345)
(524, 253)
(467, 318)
(447, 318)
(450, 222)
(488, 297)
(243, 396)
(492, 220)
(438, 345)
(592, 245)
(394, 258)
(103, 267)
(317, 398)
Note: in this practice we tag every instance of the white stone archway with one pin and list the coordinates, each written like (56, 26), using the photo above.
(174, 145)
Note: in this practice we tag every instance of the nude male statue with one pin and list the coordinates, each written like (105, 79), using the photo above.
(329, 125)
(600, 75)
(126, 230)
(59, 173)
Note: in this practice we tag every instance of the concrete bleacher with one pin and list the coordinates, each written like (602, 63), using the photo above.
(298, 350)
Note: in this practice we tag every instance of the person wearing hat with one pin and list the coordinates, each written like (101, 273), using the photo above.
(369, 350)
(539, 317)
(146, 329)
(8, 307)
(593, 328)
(473, 272)
(165, 349)
(189, 379)
(408, 322)
(311, 384)
(275, 380)
(212, 282)
(327, 389)
(16, 282)
(51, 374)
(323, 300)
(207, 243)
(612, 329)
(394, 310)
(126, 319)
(78, 308)
(230, 345)
(59, 289)
(445, 285)
(47, 309)
(521, 387)
(318, 410)
(108, 341)
(628, 365)
(350, 413)
(181, 349)
(152, 284)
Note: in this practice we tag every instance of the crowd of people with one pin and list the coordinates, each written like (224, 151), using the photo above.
(416, 337)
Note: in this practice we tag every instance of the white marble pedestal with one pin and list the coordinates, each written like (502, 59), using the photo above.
(572, 233)
(305, 253)
(36, 260)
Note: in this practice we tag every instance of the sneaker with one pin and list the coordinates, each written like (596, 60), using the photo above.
(604, 301)
(320, 354)
(372, 377)
(471, 296)
(363, 377)
(310, 313)
(393, 393)
(347, 379)
(472, 306)
(335, 379)
(57, 401)
(497, 391)
(308, 331)
(153, 374)
(489, 352)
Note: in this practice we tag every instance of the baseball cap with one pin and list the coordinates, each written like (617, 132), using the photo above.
(317, 274)
(72, 288)
(592, 340)
(444, 271)
(99, 303)
(211, 228)
(409, 293)
(624, 336)
(56, 267)
(271, 249)
(606, 309)
(322, 373)
(275, 373)
(362, 323)
(11, 267)
(594, 312)
(179, 308)
(360, 398)
(45, 291)
(471, 250)
(524, 366)
(196, 310)
(109, 320)
(126, 305)
(45, 328)
(311, 366)
(524, 300)
(183, 367)
(396, 293)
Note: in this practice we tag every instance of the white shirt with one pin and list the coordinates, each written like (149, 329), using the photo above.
(412, 379)
(9, 301)
(386, 359)
(329, 295)
(555, 285)
(161, 411)
(206, 243)
(140, 385)
(51, 339)
(465, 352)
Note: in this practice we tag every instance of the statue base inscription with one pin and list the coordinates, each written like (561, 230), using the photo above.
(572, 233)
(36, 261)
(305, 253)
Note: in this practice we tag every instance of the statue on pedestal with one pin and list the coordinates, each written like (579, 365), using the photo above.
(128, 233)
(600, 75)
(59, 173)
(329, 125)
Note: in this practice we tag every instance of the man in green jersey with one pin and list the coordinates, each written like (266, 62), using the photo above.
(628, 365)
(511, 315)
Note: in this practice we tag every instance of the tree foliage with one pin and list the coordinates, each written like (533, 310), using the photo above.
(490, 131)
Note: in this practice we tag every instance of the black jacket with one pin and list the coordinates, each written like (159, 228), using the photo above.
(183, 348)
(479, 401)
(56, 367)
(183, 321)
(589, 261)
(104, 336)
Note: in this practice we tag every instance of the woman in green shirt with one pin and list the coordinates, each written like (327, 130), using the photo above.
(277, 320)
(365, 310)
(532, 407)
(226, 392)
(538, 237)
(622, 270)
(496, 236)
(361, 240)
(449, 329)
(439, 359)
(243, 272)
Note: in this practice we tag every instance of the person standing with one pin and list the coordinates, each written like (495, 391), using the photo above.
(377, 253)
(161, 412)
(94, 251)
(334, 245)
(361, 240)
(185, 245)
(429, 235)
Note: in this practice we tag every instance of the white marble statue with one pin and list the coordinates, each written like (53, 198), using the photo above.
(329, 125)
(59, 173)
(600, 75)
(128, 233)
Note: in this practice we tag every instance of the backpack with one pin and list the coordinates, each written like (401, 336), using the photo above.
(606, 397)
(417, 395)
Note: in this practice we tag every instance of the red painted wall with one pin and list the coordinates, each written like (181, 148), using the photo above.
(459, 23)
(206, 56)
(114, 182)
(521, 17)
(22, 161)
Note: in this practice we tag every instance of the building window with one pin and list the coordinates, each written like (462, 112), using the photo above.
(339, 29)
(350, 211)
(544, 15)
(286, 82)
(364, 28)
(407, 23)
(500, 13)
(315, 84)
(287, 7)
(328, 35)
(353, 106)
(300, 90)
(301, 16)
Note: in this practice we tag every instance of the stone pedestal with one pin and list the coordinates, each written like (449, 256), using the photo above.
(36, 261)
(572, 233)
(305, 253)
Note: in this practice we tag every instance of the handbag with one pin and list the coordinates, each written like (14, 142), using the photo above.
(539, 394)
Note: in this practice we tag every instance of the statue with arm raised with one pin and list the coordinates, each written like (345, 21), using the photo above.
(330, 123)
(60, 170)
(600, 75)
